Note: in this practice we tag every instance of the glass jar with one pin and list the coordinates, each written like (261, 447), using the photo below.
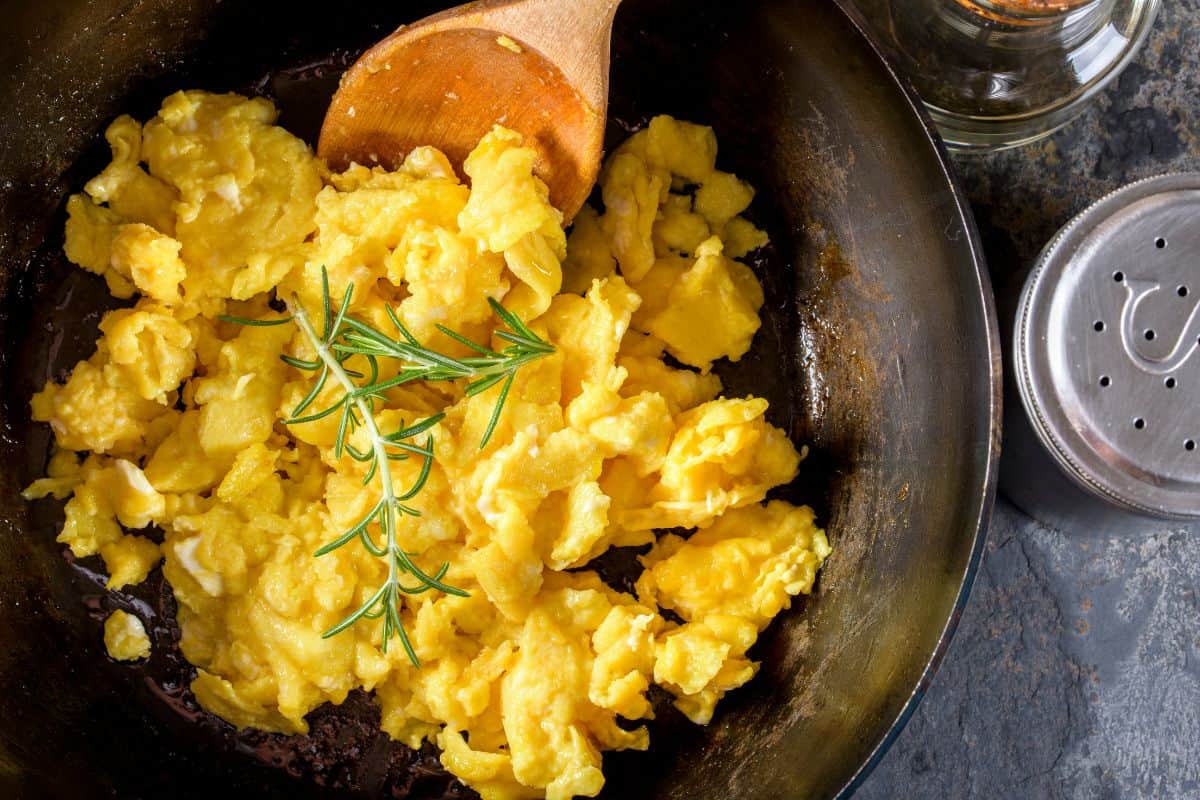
(1001, 73)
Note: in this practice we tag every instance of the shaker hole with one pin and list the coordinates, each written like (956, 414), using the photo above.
(1150, 334)
(1182, 291)
(1105, 381)
(1119, 277)
(1189, 445)
(1170, 383)
(1160, 243)
(1139, 423)
(1099, 326)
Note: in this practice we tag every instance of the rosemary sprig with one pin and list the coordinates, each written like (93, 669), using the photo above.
(342, 337)
(484, 370)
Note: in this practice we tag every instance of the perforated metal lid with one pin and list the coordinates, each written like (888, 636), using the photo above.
(1107, 347)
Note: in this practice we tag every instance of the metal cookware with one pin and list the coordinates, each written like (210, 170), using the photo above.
(1106, 363)
(879, 349)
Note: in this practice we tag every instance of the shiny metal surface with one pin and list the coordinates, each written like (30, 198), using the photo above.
(1107, 348)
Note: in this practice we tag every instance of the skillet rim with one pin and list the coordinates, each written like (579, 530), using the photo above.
(986, 499)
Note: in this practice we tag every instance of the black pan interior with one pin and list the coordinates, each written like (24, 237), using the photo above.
(879, 350)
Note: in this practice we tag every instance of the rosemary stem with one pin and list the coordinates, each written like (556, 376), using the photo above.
(378, 443)
(345, 337)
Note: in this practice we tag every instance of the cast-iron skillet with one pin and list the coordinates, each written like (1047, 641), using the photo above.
(879, 349)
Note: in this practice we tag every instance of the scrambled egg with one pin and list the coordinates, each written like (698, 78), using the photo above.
(125, 637)
(176, 422)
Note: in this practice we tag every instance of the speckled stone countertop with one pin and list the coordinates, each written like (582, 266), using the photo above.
(1075, 672)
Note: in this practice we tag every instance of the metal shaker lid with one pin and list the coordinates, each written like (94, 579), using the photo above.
(1107, 347)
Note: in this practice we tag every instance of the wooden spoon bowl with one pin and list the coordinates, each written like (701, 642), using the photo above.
(539, 67)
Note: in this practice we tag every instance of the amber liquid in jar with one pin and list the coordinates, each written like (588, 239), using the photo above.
(1008, 10)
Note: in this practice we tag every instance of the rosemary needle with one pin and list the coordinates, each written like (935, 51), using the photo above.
(343, 337)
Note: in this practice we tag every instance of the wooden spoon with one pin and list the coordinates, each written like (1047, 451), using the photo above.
(539, 67)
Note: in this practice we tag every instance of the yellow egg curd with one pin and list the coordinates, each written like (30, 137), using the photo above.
(125, 637)
(176, 421)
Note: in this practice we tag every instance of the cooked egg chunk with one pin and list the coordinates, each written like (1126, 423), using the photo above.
(177, 421)
(125, 637)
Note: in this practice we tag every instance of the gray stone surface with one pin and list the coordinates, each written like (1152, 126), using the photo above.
(1075, 672)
